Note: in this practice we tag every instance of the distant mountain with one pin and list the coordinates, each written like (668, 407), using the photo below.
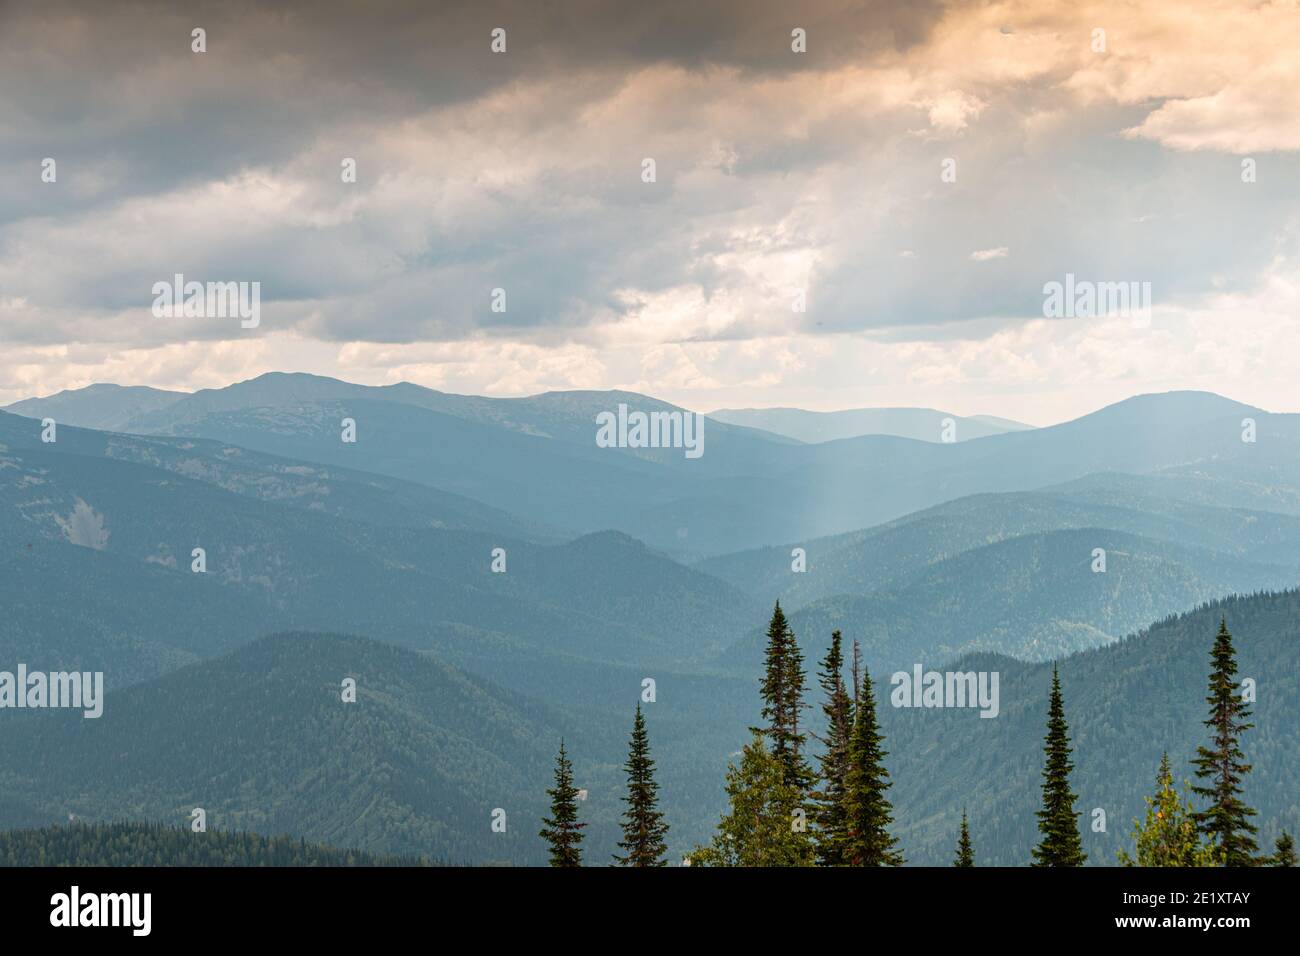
(100, 529)
(337, 491)
(103, 406)
(537, 457)
(145, 844)
(223, 693)
(922, 424)
(1034, 597)
(1005, 424)
(75, 608)
(426, 754)
(1125, 705)
(563, 415)
(261, 739)
(860, 562)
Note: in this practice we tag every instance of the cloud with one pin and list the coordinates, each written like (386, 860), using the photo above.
(950, 111)
(1038, 371)
(1259, 114)
(780, 177)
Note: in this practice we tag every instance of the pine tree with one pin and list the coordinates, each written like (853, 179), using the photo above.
(782, 690)
(760, 826)
(644, 828)
(1057, 821)
(965, 852)
(830, 799)
(1169, 836)
(562, 829)
(857, 670)
(868, 813)
(1284, 851)
(1226, 821)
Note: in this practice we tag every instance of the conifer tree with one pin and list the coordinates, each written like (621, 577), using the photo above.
(1057, 821)
(868, 812)
(965, 852)
(562, 830)
(830, 798)
(644, 828)
(857, 670)
(1226, 821)
(1284, 851)
(782, 689)
(759, 827)
(1169, 836)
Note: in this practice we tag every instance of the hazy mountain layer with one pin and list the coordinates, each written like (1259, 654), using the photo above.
(863, 561)
(1034, 597)
(262, 740)
(420, 761)
(538, 457)
(1125, 705)
(922, 424)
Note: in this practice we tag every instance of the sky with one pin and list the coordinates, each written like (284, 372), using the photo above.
(871, 221)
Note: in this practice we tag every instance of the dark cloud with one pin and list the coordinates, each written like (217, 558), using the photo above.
(520, 171)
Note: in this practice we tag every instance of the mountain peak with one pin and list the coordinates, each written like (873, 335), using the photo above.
(1171, 408)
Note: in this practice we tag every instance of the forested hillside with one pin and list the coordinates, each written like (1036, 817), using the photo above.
(1034, 597)
(1125, 704)
(262, 739)
(153, 844)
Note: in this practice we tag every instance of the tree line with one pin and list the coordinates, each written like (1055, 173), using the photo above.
(128, 843)
(783, 812)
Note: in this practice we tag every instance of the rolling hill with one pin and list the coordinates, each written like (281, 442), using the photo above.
(922, 424)
(863, 561)
(1125, 704)
(1033, 597)
(99, 531)
(143, 844)
(537, 457)
(262, 740)
(104, 406)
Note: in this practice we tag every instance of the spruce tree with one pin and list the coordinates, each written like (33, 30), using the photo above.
(644, 828)
(830, 798)
(760, 826)
(782, 690)
(868, 812)
(1169, 836)
(1284, 851)
(965, 852)
(1057, 821)
(857, 670)
(1226, 821)
(562, 830)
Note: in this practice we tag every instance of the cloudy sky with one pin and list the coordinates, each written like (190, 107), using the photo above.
(1115, 156)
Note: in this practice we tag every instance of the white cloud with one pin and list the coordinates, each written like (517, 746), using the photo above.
(771, 181)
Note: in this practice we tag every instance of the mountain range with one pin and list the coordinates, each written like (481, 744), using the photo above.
(506, 582)
(922, 424)
(750, 488)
